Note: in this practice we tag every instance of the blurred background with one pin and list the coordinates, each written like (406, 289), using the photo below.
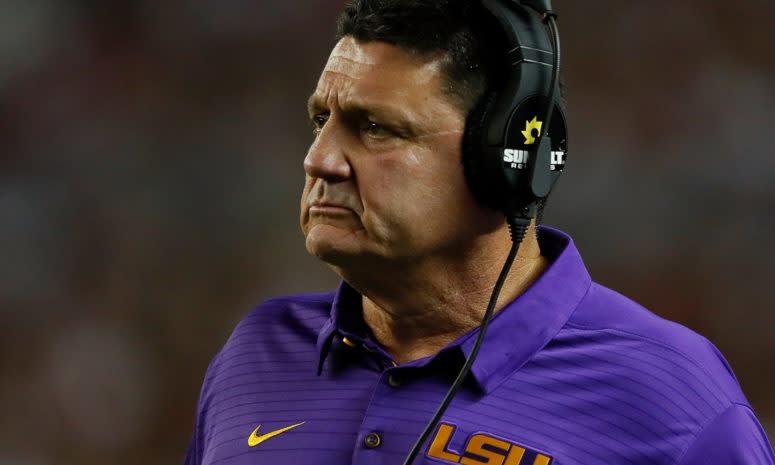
(151, 164)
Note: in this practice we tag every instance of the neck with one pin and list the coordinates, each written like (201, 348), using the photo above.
(417, 310)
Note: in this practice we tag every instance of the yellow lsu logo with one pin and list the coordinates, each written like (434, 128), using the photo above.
(482, 449)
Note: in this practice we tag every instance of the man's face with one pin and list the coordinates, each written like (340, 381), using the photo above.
(384, 177)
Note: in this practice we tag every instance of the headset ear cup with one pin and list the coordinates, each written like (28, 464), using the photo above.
(474, 163)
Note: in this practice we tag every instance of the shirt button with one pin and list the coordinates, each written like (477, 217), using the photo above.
(394, 381)
(372, 440)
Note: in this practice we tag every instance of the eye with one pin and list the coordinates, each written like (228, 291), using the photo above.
(318, 121)
(376, 130)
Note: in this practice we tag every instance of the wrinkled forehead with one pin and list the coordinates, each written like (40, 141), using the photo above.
(377, 53)
(380, 65)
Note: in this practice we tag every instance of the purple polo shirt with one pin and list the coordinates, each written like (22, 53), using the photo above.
(569, 373)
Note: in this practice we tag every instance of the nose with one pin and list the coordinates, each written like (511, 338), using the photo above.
(326, 157)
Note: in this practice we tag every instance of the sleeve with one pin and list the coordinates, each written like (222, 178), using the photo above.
(734, 437)
(196, 445)
(193, 453)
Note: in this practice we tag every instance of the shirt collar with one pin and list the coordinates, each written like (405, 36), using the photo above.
(524, 326)
(346, 320)
(516, 333)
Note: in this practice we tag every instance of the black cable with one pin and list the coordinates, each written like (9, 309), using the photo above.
(518, 228)
(550, 19)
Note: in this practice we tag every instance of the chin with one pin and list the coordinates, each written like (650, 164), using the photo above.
(326, 246)
(343, 255)
(323, 252)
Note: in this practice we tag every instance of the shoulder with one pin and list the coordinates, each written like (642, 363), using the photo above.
(733, 437)
(278, 316)
(670, 358)
(662, 386)
(655, 350)
(297, 310)
(279, 331)
(276, 325)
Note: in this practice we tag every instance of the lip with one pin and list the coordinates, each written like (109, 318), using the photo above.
(328, 208)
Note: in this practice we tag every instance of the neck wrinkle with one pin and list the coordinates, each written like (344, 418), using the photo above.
(435, 311)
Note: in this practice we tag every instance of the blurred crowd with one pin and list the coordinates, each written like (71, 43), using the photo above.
(151, 165)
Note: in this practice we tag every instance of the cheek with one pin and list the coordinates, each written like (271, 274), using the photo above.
(303, 211)
(309, 182)
(414, 188)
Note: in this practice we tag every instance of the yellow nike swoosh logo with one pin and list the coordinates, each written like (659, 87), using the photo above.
(254, 440)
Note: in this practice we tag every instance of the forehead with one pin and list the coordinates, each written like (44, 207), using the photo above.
(380, 74)
(350, 56)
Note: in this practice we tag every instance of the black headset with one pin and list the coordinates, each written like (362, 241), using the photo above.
(515, 143)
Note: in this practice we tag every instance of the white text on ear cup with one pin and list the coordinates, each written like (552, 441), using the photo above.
(518, 159)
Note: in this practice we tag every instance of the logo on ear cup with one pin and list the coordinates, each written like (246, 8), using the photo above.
(528, 132)
(518, 159)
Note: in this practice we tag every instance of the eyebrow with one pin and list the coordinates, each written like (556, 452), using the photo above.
(314, 104)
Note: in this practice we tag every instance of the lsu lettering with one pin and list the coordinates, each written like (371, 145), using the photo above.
(483, 449)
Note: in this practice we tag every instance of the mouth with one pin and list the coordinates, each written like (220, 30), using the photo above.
(325, 207)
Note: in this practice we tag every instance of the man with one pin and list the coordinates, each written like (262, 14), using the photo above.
(570, 372)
